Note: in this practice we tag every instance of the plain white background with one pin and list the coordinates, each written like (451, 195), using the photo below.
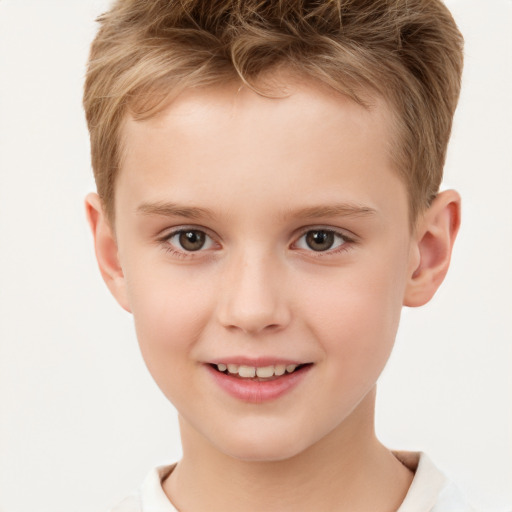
(81, 421)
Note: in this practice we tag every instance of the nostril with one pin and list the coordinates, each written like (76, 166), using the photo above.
(253, 328)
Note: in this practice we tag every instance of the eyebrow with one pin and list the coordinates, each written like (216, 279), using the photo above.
(192, 212)
(174, 210)
(311, 212)
(333, 210)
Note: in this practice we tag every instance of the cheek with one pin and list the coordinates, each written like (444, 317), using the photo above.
(355, 316)
(170, 311)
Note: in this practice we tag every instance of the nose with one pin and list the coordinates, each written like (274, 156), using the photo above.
(253, 296)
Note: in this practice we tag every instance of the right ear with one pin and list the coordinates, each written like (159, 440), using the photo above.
(107, 253)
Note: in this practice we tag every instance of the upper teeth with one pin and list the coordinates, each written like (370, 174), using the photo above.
(253, 371)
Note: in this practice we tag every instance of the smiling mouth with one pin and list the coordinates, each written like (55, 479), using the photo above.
(258, 373)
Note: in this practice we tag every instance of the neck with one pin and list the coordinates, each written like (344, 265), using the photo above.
(348, 470)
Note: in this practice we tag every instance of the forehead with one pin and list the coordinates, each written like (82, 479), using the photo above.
(234, 107)
(227, 141)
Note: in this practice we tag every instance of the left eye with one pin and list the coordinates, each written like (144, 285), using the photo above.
(190, 240)
(320, 240)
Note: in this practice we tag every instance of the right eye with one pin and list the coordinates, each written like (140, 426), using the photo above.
(322, 240)
(189, 240)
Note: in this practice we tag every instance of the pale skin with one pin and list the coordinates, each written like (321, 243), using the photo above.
(255, 177)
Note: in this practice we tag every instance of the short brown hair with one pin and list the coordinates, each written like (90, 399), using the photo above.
(407, 51)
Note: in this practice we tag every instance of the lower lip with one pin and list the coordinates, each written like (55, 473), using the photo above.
(255, 391)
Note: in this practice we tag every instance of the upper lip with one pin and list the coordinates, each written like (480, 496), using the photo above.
(256, 362)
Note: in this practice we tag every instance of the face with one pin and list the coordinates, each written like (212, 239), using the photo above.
(265, 248)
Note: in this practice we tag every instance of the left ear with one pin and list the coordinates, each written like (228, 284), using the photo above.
(435, 235)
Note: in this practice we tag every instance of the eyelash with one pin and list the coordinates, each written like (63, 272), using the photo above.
(348, 242)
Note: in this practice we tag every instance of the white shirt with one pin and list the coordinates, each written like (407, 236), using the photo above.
(430, 490)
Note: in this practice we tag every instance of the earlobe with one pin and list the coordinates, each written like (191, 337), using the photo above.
(106, 249)
(435, 235)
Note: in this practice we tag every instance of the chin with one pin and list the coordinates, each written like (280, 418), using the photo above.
(263, 448)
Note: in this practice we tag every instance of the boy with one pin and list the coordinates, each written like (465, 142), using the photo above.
(268, 199)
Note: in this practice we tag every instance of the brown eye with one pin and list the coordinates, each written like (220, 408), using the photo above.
(320, 240)
(191, 240)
